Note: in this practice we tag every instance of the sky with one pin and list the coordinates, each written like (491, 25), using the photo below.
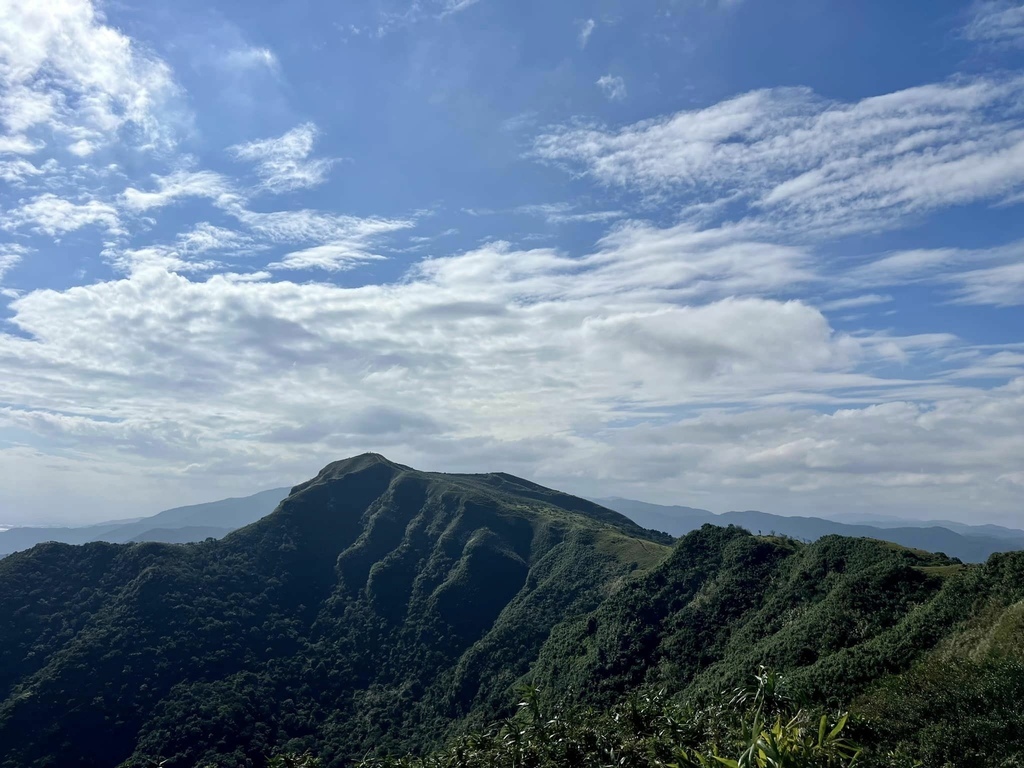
(733, 254)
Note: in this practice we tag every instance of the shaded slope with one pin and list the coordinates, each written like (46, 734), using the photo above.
(375, 606)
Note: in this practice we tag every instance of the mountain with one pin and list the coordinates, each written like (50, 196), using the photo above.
(383, 610)
(890, 521)
(376, 604)
(185, 535)
(986, 529)
(972, 544)
(179, 525)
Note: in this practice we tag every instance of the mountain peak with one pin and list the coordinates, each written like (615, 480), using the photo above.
(352, 466)
(360, 462)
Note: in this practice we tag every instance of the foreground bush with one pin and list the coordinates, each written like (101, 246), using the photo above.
(759, 727)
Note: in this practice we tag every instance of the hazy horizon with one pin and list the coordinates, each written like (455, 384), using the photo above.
(840, 515)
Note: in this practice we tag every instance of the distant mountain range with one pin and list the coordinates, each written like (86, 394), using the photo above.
(181, 525)
(972, 544)
(173, 526)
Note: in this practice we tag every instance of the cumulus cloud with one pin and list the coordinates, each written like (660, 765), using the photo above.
(62, 67)
(460, 332)
(284, 163)
(805, 164)
(516, 355)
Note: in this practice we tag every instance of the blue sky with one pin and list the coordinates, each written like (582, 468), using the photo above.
(741, 254)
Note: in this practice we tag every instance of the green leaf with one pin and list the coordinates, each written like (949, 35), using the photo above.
(839, 726)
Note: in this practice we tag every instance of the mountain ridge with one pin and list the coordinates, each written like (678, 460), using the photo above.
(380, 609)
(972, 547)
(224, 514)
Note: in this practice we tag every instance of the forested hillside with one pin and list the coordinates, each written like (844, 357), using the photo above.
(385, 611)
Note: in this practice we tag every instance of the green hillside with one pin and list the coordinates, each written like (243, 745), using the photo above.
(374, 607)
(380, 610)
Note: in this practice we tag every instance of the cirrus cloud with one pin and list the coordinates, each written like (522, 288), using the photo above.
(804, 164)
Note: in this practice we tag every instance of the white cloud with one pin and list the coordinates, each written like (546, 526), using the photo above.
(175, 186)
(808, 165)
(456, 338)
(614, 87)
(10, 256)
(205, 237)
(333, 257)
(82, 148)
(1000, 22)
(283, 163)
(349, 245)
(1001, 286)
(567, 213)
(305, 226)
(55, 215)
(856, 302)
(17, 171)
(692, 263)
(63, 67)
(22, 108)
(251, 57)
(993, 276)
(586, 30)
(18, 144)
(455, 6)
(925, 460)
(1003, 365)
(509, 352)
(905, 266)
(168, 258)
(661, 360)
